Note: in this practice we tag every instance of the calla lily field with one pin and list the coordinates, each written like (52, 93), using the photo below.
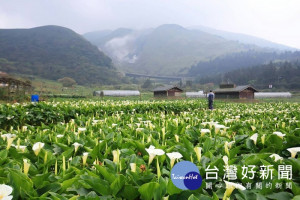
(126, 149)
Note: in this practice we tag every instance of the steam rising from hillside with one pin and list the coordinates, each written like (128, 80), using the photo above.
(123, 48)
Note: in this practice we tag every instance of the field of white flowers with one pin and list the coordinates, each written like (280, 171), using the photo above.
(126, 150)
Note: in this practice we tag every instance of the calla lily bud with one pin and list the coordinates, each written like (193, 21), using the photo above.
(263, 139)
(84, 158)
(177, 138)
(26, 166)
(133, 167)
(116, 154)
(198, 152)
(226, 148)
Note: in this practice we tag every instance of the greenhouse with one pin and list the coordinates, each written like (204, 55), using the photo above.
(199, 94)
(117, 93)
(272, 95)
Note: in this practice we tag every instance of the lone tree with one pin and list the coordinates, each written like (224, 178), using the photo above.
(67, 81)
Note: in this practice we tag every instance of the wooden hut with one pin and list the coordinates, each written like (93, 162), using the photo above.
(10, 87)
(167, 91)
(230, 91)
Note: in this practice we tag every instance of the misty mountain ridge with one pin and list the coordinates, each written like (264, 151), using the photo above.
(168, 49)
(244, 38)
(53, 52)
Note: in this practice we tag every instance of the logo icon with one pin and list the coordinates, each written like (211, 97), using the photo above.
(186, 176)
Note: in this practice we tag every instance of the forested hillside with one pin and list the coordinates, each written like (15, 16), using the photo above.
(281, 75)
(234, 61)
(53, 52)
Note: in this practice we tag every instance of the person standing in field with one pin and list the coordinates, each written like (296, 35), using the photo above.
(210, 98)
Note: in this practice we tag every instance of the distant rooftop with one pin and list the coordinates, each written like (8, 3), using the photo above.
(166, 88)
(235, 89)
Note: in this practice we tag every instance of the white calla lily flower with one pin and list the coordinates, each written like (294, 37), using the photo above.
(21, 147)
(203, 131)
(230, 187)
(173, 156)
(218, 127)
(76, 145)
(8, 135)
(254, 138)
(279, 134)
(81, 130)
(154, 152)
(276, 157)
(294, 151)
(37, 147)
(5, 191)
(9, 138)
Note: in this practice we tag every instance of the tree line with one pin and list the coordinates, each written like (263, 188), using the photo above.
(281, 75)
(239, 60)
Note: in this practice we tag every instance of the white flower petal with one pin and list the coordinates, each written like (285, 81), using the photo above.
(5, 190)
(276, 157)
(174, 155)
(234, 185)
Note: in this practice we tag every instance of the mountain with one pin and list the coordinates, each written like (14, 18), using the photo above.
(172, 49)
(168, 50)
(240, 60)
(243, 38)
(53, 52)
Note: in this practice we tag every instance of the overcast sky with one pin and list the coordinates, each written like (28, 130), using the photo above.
(274, 20)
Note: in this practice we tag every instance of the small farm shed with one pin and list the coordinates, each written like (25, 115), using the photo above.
(261, 95)
(10, 86)
(230, 91)
(117, 93)
(167, 91)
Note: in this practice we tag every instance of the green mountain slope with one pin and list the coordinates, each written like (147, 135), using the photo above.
(53, 52)
(167, 50)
